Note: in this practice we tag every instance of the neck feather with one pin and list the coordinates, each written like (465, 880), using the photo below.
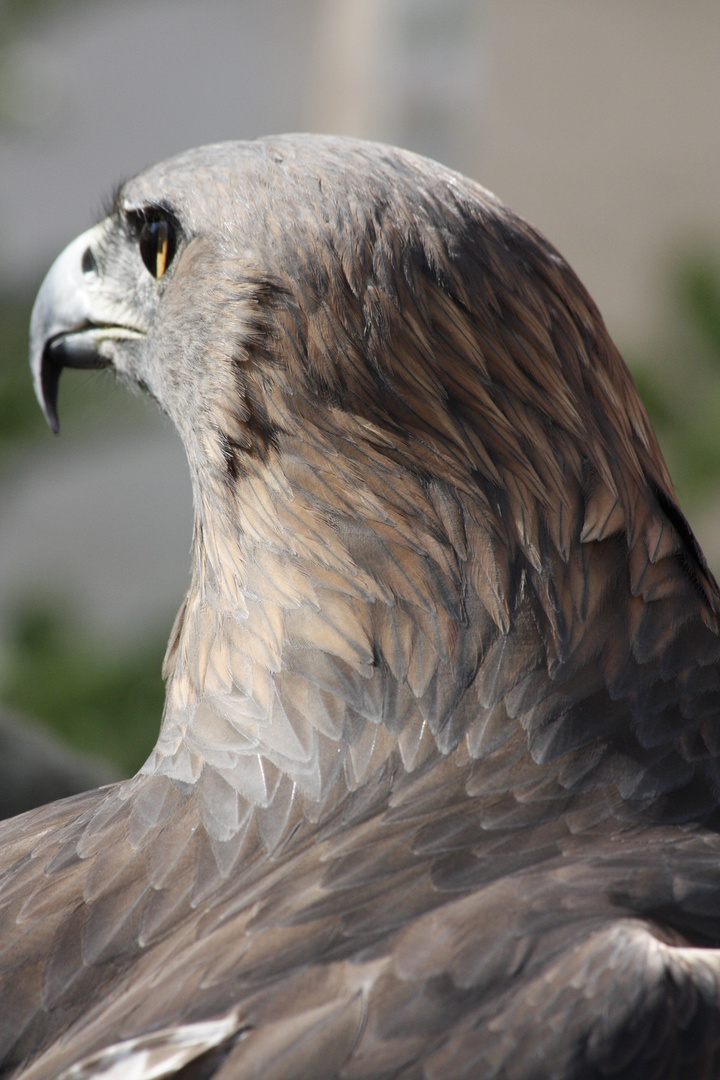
(347, 621)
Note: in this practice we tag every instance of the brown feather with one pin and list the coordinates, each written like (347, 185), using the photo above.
(436, 790)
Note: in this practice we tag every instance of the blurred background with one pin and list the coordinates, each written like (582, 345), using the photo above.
(599, 122)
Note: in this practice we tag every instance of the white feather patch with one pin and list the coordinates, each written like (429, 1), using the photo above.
(155, 1055)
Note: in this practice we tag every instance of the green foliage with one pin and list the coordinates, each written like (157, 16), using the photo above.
(681, 387)
(17, 15)
(109, 705)
(699, 293)
(19, 414)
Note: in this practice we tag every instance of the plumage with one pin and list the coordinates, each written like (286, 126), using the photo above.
(436, 789)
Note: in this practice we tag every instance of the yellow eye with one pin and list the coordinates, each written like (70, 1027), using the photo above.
(157, 245)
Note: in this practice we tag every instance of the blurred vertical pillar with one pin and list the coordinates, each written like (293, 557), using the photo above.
(409, 72)
(598, 121)
(603, 132)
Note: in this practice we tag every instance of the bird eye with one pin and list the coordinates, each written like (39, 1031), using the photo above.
(157, 245)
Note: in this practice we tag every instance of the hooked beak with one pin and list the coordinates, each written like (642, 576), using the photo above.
(70, 319)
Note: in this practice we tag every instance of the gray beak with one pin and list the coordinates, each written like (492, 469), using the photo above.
(71, 318)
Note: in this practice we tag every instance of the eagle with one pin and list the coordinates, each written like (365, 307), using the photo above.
(436, 792)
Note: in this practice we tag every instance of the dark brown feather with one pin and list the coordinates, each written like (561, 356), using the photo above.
(436, 792)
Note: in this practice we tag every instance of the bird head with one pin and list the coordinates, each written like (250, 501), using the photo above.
(409, 435)
(247, 285)
(308, 286)
(125, 295)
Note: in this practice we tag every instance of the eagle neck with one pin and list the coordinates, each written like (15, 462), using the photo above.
(274, 695)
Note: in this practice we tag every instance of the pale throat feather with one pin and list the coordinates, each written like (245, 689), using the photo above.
(277, 613)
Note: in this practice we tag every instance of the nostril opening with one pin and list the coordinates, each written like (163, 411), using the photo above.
(89, 266)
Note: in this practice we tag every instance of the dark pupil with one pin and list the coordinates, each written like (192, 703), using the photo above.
(157, 245)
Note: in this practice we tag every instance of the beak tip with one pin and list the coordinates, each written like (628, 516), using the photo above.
(47, 389)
